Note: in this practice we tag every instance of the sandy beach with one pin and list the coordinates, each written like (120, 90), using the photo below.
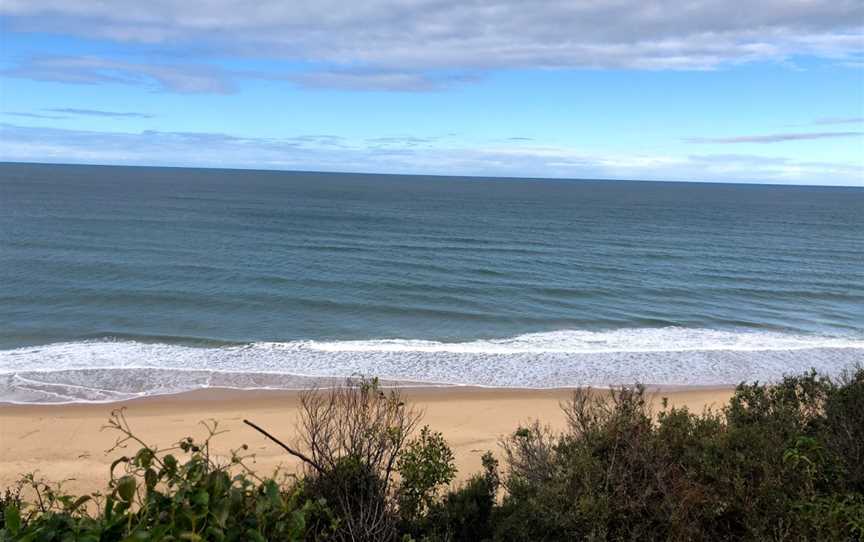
(68, 441)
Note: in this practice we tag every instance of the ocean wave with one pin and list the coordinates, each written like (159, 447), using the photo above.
(117, 369)
(669, 339)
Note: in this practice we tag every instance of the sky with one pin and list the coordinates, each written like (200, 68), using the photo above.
(766, 91)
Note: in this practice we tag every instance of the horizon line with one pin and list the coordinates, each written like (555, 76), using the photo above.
(441, 175)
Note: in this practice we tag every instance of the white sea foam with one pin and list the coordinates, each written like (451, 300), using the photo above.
(669, 339)
(109, 370)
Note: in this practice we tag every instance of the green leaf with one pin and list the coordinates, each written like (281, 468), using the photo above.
(126, 488)
(138, 536)
(201, 498)
(13, 520)
(170, 463)
(298, 519)
(144, 457)
(221, 513)
(150, 478)
(109, 508)
(273, 494)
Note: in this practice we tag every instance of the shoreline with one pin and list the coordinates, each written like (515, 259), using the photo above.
(117, 370)
(63, 441)
(222, 393)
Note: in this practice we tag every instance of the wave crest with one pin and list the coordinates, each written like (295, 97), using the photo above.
(669, 339)
(110, 370)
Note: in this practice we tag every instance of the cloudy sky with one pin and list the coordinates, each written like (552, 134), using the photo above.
(710, 90)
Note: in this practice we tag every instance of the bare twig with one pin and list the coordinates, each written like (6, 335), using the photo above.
(287, 448)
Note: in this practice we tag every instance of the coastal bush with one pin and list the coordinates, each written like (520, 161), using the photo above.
(777, 462)
(426, 465)
(181, 493)
(354, 437)
(466, 512)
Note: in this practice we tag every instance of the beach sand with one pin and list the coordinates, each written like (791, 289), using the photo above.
(67, 442)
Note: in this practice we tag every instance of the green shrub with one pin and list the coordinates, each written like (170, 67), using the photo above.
(780, 462)
(166, 495)
(844, 428)
(10, 505)
(424, 467)
(466, 513)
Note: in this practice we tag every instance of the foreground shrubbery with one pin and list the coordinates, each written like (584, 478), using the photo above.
(778, 463)
(782, 462)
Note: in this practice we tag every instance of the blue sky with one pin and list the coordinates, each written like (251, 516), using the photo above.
(771, 91)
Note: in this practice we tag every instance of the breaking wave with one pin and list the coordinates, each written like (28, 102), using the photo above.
(102, 370)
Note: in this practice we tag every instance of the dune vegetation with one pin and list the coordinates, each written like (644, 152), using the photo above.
(778, 462)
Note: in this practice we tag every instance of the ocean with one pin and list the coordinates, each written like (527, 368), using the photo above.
(120, 282)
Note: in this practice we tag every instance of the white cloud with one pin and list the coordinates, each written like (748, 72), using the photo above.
(99, 113)
(403, 41)
(774, 138)
(403, 155)
(839, 120)
(95, 70)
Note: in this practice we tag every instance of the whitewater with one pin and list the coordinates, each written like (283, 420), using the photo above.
(113, 370)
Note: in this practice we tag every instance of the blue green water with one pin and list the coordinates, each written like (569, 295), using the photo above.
(121, 281)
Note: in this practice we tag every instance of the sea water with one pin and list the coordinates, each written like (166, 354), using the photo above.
(117, 282)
